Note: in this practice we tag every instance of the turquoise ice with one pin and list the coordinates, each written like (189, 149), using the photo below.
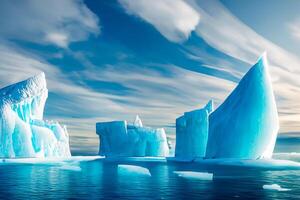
(246, 124)
(117, 138)
(23, 132)
(192, 133)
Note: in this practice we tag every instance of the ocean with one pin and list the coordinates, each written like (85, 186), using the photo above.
(138, 179)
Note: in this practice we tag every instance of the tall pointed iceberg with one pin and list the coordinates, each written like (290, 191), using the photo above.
(246, 124)
(23, 132)
(192, 133)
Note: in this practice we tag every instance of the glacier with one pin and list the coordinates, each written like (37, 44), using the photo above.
(117, 139)
(23, 132)
(192, 133)
(245, 125)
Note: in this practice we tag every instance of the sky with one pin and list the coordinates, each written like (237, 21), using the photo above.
(110, 60)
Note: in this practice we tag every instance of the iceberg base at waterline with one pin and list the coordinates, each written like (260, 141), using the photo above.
(262, 164)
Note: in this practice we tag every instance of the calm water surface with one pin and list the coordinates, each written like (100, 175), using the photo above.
(101, 179)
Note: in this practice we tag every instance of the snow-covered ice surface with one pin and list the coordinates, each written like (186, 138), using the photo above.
(51, 160)
(264, 164)
(275, 187)
(119, 139)
(192, 133)
(272, 164)
(136, 159)
(133, 170)
(195, 175)
(23, 132)
(246, 124)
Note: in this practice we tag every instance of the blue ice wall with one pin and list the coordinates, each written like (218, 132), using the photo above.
(192, 133)
(246, 124)
(113, 138)
(119, 139)
(23, 133)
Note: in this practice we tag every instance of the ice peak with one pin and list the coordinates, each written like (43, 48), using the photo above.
(261, 64)
(24, 89)
(248, 118)
(209, 106)
(137, 122)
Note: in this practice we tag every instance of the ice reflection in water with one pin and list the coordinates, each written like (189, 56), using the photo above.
(102, 179)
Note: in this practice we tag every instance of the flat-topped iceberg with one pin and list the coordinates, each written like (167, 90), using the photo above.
(192, 133)
(117, 138)
(246, 124)
(23, 132)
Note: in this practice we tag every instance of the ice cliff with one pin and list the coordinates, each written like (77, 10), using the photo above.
(192, 133)
(246, 124)
(23, 132)
(117, 138)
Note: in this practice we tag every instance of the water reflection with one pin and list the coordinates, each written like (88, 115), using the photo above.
(104, 179)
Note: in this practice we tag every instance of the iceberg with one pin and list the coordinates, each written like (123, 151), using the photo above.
(119, 139)
(245, 126)
(23, 132)
(192, 133)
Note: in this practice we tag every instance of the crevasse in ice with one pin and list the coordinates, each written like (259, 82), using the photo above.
(117, 138)
(192, 133)
(245, 125)
(23, 132)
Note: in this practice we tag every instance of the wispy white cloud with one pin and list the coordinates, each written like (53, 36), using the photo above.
(56, 22)
(59, 39)
(174, 19)
(294, 28)
(160, 99)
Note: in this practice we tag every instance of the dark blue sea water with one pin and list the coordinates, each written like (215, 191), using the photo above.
(101, 179)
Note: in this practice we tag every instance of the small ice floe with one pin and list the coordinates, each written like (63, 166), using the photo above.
(275, 187)
(195, 175)
(133, 170)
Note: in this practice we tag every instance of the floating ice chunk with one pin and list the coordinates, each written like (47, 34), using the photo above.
(133, 170)
(195, 175)
(246, 124)
(23, 133)
(275, 187)
(192, 133)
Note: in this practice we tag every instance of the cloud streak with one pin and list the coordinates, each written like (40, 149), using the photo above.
(55, 22)
(174, 19)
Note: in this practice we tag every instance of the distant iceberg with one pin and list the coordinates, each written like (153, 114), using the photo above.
(119, 139)
(192, 133)
(23, 131)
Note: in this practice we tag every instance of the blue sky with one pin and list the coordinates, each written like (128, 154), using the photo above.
(111, 60)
